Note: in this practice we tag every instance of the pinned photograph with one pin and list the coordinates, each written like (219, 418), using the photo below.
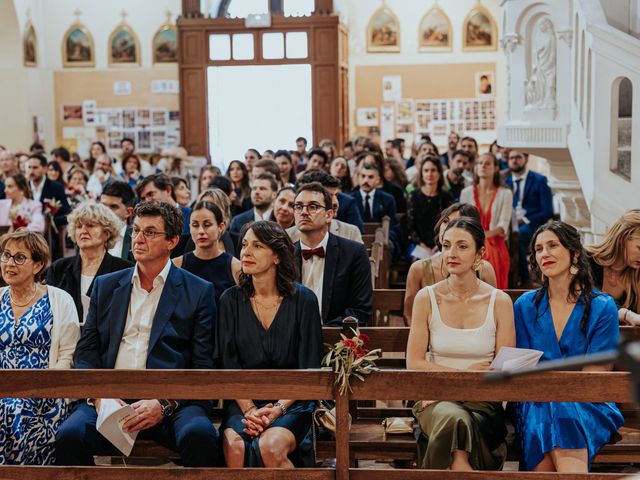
(484, 84)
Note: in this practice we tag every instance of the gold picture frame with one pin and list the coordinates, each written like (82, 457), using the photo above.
(124, 47)
(435, 32)
(383, 32)
(479, 31)
(77, 47)
(165, 44)
(30, 46)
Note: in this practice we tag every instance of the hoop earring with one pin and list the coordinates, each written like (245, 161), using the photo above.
(573, 269)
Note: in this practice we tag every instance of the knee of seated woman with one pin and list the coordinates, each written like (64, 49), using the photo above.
(274, 444)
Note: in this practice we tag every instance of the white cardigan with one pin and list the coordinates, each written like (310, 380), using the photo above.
(501, 210)
(65, 329)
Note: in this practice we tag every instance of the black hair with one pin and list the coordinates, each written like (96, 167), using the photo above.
(160, 180)
(56, 166)
(464, 153)
(36, 147)
(270, 178)
(438, 164)
(377, 158)
(98, 142)
(321, 177)
(370, 166)
(245, 187)
(172, 216)
(275, 238)
(270, 166)
(302, 139)
(471, 226)
(40, 157)
(127, 139)
(61, 152)
(122, 190)
(582, 283)
(212, 207)
(317, 187)
(255, 151)
(320, 153)
(223, 183)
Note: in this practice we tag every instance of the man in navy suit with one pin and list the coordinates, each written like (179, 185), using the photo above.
(336, 269)
(348, 211)
(374, 204)
(532, 204)
(151, 316)
(263, 193)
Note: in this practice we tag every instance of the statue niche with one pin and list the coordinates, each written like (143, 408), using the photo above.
(540, 87)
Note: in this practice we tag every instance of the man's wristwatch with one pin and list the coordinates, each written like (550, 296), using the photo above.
(168, 407)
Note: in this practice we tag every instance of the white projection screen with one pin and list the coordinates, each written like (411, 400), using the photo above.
(257, 106)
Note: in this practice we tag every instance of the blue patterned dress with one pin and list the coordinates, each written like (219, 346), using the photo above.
(543, 426)
(27, 425)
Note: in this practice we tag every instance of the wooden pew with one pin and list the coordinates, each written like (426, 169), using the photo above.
(371, 227)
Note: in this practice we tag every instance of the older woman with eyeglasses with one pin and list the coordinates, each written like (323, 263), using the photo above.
(39, 326)
(94, 228)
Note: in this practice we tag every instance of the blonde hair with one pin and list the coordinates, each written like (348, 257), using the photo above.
(613, 249)
(222, 200)
(95, 213)
(32, 241)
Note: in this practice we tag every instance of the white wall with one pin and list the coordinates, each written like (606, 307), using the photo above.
(623, 15)
(357, 13)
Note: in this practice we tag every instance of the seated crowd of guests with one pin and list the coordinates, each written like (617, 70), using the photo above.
(244, 275)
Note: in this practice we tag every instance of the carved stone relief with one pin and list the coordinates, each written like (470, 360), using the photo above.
(540, 87)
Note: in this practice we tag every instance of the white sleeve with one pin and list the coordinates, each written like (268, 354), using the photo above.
(505, 205)
(65, 313)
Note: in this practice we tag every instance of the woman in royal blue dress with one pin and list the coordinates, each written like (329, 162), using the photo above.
(564, 318)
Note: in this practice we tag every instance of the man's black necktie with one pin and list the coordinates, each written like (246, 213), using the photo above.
(516, 195)
(367, 208)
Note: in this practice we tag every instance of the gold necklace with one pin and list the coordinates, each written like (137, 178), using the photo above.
(269, 307)
(35, 290)
(468, 294)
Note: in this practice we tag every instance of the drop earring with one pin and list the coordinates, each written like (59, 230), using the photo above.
(573, 269)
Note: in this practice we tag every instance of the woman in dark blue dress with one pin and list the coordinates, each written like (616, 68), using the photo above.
(268, 321)
(564, 318)
(208, 261)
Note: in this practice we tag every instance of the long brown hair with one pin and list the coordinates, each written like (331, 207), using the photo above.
(497, 178)
(612, 250)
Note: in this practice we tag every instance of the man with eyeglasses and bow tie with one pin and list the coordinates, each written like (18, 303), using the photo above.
(336, 269)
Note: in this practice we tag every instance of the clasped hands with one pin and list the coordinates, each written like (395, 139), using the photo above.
(257, 420)
(149, 414)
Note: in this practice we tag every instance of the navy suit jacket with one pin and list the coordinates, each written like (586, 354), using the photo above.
(346, 283)
(55, 190)
(537, 200)
(383, 205)
(182, 332)
(241, 220)
(348, 211)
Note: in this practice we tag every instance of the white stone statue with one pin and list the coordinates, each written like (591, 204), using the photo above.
(540, 88)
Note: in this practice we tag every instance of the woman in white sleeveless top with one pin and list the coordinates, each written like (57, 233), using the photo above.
(459, 324)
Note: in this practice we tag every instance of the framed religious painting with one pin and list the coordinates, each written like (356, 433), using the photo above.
(124, 47)
(30, 46)
(435, 34)
(165, 44)
(77, 47)
(383, 32)
(479, 31)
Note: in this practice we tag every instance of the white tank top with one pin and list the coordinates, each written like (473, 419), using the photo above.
(461, 347)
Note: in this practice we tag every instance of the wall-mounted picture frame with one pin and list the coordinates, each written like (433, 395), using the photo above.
(30, 46)
(78, 47)
(383, 32)
(435, 32)
(165, 44)
(124, 47)
(484, 84)
(480, 32)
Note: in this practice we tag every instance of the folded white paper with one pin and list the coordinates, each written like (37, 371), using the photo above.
(111, 417)
(509, 358)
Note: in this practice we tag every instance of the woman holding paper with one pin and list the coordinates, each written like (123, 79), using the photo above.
(564, 318)
(460, 323)
(38, 329)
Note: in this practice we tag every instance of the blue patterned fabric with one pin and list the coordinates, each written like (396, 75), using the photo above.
(543, 426)
(27, 425)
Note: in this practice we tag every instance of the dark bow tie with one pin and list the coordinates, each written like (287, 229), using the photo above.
(310, 252)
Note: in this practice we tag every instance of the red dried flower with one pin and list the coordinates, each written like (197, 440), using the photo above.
(350, 343)
(20, 222)
(364, 337)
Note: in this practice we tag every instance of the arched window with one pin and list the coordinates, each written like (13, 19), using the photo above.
(622, 127)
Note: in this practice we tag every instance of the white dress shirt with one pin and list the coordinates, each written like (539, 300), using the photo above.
(313, 270)
(371, 194)
(36, 190)
(132, 353)
(116, 251)
(265, 216)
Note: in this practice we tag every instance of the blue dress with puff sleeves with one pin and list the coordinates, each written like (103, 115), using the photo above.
(543, 426)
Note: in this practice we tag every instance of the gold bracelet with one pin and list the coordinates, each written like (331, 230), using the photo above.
(252, 407)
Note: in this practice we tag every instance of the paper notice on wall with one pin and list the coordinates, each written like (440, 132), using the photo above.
(89, 112)
(386, 122)
(165, 86)
(78, 132)
(367, 117)
(391, 88)
(404, 112)
(122, 88)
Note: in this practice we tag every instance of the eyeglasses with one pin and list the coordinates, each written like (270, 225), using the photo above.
(18, 258)
(148, 234)
(312, 208)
